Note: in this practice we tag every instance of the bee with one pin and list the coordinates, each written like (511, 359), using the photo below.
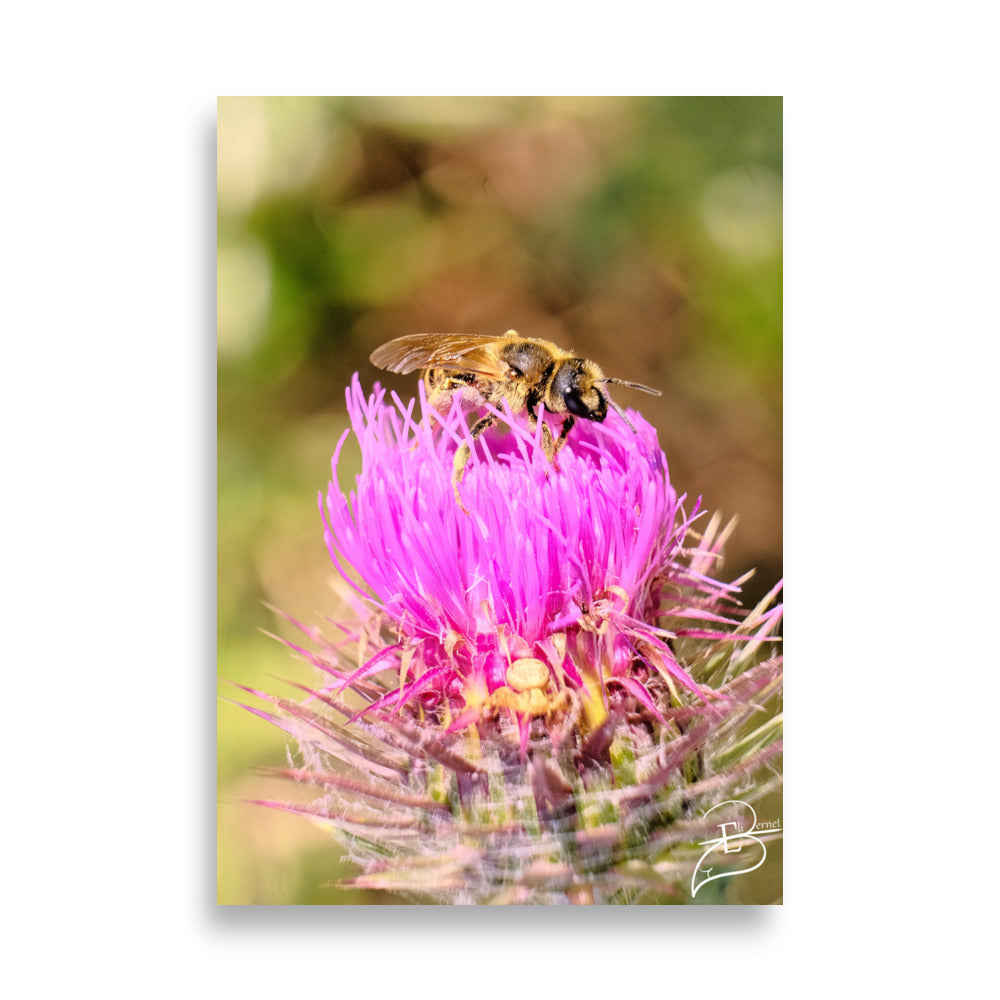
(524, 371)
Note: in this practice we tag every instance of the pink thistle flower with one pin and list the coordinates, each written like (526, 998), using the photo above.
(572, 565)
(559, 662)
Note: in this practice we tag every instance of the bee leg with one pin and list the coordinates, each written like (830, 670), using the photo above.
(561, 440)
(551, 447)
(464, 453)
(547, 446)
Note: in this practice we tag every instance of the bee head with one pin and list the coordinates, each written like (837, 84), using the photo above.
(574, 389)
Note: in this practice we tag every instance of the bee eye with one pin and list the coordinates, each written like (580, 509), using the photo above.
(575, 404)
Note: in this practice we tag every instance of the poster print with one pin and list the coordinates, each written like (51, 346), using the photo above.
(523, 573)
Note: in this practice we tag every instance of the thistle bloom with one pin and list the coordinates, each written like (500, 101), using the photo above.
(543, 685)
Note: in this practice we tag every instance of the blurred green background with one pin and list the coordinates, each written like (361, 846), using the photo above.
(644, 233)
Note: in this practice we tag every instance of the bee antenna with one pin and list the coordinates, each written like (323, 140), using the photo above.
(632, 385)
(621, 413)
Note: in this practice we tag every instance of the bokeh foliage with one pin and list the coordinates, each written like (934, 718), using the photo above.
(644, 233)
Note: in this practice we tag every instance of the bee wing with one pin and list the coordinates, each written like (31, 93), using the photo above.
(456, 351)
